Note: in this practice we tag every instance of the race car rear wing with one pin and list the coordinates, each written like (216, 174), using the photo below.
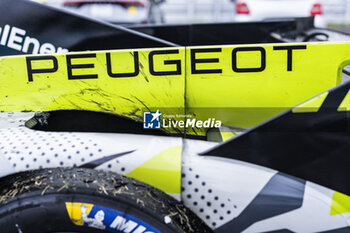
(229, 32)
(310, 141)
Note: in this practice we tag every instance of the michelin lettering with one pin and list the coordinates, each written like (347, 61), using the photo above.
(103, 218)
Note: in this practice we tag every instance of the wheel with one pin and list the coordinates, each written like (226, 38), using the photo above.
(86, 200)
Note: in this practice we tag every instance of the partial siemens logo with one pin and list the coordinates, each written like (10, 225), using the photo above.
(151, 120)
(15, 38)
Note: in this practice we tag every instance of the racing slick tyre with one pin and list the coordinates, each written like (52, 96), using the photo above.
(85, 200)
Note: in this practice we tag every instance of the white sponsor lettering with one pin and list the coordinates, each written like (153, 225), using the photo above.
(15, 38)
(121, 224)
(210, 123)
(5, 34)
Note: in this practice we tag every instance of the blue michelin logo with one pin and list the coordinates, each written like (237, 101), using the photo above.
(151, 120)
(107, 219)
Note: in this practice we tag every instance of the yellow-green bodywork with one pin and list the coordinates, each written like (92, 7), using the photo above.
(228, 83)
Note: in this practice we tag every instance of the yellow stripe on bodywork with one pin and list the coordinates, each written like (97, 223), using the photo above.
(93, 88)
(227, 135)
(240, 85)
(244, 99)
(163, 171)
(312, 105)
(345, 104)
(340, 204)
(74, 212)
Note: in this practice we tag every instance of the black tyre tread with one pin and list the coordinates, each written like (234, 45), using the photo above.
(102, 184)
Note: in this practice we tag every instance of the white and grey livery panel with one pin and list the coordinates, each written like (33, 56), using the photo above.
(230, 195)
(26, 149)
(226, 194)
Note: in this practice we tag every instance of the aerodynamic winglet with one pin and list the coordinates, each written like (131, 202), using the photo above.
(310, 141)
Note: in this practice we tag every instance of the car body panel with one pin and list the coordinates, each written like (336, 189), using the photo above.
(221, 82)
(225, 193)
(228, 194)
